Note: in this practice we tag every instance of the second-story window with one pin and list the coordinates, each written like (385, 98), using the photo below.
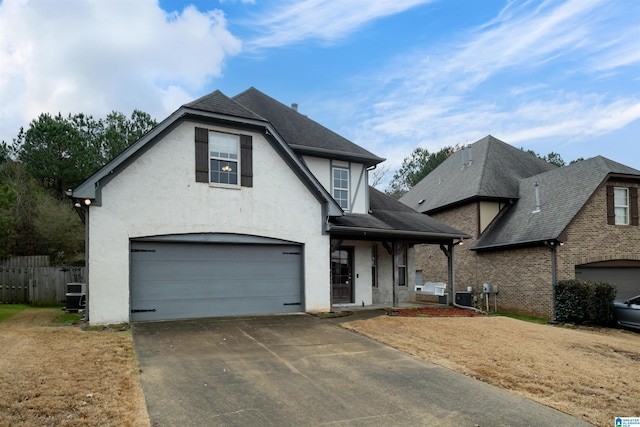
(341, 187)
(223, 152)
(621, 203)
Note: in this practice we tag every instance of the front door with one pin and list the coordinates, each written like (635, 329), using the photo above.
(342, 275)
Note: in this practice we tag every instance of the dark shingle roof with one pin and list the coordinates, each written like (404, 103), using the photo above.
(563, 192)
(218, 102)
(302, 134)
(389, 217)
(494, 173)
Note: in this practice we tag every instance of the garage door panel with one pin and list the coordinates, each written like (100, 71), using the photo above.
(626, 279)
(204, 252)
(186, 280)
(171, 291)
(194, 272)
(189, 309)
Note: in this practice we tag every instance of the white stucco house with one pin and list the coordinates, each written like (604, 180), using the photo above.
(244, 206)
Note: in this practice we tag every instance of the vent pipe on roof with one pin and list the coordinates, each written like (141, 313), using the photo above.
(537, 188)
(470, 154)
(463, 161)
(295, 106)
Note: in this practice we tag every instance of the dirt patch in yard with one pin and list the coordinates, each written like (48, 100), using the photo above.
(436, 312)
(60, 375)
(590, 373)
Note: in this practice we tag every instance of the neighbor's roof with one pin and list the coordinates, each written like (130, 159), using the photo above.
(304, 135)
(389, 219)
(487, 169)
(563, 192)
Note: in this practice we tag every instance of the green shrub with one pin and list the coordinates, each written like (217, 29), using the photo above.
(578, 301)
(600, 307)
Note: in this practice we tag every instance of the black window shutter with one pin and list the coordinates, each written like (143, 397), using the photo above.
(246, 161)
(202, 155)
(611, 210)
(633, 196)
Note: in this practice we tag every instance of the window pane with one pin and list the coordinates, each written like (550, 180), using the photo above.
(402, 266)
(621, 198)
(341, 196)
(621, 202)
(341, 187)
(402, 276)
(621, 216)
(223, 146)
(224, 172)
(374, 265)
(341, 178)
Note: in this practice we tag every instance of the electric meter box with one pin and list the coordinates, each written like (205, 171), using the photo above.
(486, 288)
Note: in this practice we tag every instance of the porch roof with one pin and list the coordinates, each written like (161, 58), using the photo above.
(389, 219)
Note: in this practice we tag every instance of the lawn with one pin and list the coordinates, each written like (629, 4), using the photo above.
(590, 373)
(9, 310)
(57, 374)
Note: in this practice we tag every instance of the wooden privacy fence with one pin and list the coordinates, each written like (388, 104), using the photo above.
(31, 280)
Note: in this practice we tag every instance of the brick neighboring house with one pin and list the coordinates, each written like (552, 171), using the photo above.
(531, 224)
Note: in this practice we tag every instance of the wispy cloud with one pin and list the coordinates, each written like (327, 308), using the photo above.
(513, 77)
(322, 20)
(94, 57)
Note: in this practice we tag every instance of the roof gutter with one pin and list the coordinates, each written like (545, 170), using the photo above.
(524, 244)
(387, 233)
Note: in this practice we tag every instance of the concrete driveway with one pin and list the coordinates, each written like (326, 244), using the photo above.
(299, 370)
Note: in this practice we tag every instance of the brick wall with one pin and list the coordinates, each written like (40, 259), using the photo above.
(590, 239)
(524, 275)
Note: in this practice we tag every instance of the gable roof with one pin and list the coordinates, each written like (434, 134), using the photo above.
(215, 106)
(390, 219)
(487, 169)
(563, 192)
(304, 135)
(218, 102)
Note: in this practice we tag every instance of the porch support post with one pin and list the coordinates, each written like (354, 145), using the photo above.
(452, 275)
(87, 255)
(394, 265)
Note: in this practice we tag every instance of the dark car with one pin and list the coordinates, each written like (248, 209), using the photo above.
(627, 313)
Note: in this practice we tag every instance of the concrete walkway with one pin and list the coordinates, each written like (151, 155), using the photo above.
(299, 370)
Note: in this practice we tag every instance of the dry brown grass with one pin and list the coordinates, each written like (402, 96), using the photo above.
(55, 375)
(590, 374)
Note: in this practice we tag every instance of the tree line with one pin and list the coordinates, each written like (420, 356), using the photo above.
(56, 153)
(53, 154)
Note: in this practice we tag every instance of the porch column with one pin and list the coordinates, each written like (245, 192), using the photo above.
(396, 278)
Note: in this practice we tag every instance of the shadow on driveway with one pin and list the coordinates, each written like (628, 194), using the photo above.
(299, 370)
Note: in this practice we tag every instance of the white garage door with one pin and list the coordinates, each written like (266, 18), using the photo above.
(195, 280)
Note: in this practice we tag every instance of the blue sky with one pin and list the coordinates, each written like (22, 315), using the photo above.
(560, 76)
